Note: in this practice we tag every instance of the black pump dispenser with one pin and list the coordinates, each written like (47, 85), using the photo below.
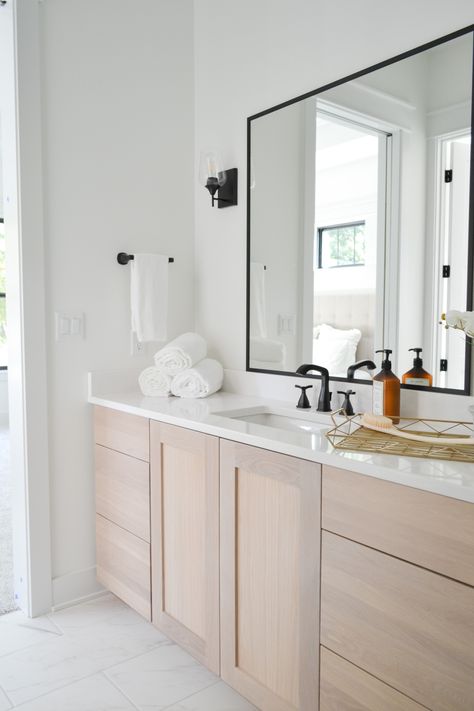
(386, 363)
(417, 361)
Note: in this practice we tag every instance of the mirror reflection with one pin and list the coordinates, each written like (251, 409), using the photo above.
(359, 221)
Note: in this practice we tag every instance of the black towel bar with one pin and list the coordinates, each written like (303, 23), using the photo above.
(124, 258)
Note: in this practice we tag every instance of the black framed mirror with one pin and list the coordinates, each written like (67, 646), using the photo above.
(360, 222)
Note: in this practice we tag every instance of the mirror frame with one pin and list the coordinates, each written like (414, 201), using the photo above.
(470, 259)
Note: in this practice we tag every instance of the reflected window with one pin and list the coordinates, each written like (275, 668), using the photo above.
(341, 246)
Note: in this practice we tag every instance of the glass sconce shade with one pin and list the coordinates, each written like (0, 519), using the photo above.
(211, 174)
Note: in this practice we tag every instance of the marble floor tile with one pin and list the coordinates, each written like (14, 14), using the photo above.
(5, 705)
(96, 693)
(218, 697)
(156, 680)
(107, 611)
(19, 632)
(36, 670)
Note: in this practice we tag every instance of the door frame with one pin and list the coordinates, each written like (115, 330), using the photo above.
(20, 105)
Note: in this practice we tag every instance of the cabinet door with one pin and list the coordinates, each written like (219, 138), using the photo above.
(270, 550)
(185, 539)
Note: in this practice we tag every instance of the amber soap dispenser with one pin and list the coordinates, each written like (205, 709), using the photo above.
(386, 390)
(417, 375)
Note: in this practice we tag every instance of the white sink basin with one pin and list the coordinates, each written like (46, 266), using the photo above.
(281, 419)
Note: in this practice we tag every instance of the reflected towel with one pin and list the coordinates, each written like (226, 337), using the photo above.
(181, 353)
(149, 296)
(204, 379)
(258, 308)
(265, 350)
(154, 383)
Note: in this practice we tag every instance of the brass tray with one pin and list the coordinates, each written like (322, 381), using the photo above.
(349, 435)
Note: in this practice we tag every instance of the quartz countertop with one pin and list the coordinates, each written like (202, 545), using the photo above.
(453, 479)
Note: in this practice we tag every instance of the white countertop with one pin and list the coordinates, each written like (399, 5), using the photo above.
(454, 479)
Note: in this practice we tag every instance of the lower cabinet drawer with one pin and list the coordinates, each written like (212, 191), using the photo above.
(410, 628)
(344, 687)
(122, 486)
(123, 565)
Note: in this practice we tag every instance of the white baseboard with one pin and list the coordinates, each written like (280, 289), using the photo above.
(76, 587)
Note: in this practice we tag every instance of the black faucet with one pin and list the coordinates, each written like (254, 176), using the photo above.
(324, 402)
(360, 364)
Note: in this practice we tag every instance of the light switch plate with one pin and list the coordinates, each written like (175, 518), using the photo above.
(69, 326)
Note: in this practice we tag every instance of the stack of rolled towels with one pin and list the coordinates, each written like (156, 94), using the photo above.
(182, 369)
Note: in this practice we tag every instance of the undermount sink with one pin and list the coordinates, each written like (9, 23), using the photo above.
(281, 420)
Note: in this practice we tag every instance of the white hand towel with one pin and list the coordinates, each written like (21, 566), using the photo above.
(258, 309)
(182, 353)
(154, 383)
(204, 379)
(149, 296)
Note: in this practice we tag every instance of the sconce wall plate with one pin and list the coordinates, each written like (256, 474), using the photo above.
(227, 193)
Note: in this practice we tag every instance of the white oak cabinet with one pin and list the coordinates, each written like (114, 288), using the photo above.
(123, 506)
(270, 533)
(305, 588)
(397, 599)
(185, 539)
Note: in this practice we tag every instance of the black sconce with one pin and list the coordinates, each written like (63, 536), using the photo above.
(216, 180)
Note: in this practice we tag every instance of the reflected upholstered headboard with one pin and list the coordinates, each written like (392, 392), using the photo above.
(349, 310)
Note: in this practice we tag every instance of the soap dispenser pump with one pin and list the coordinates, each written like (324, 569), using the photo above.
(386, 390)
(417, 375)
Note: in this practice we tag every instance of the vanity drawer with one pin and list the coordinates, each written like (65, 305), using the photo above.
(123, 490)
(125, 433)
(344, 687)
(433, 531)
(408, 627)
(123, 565)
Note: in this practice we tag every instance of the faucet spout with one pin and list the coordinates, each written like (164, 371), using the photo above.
(324, 402)
(360, 364)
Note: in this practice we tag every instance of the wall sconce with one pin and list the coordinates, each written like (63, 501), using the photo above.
(216, 180)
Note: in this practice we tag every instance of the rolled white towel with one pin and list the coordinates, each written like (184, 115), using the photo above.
(204, 379)
(154, 383)
(181, 353)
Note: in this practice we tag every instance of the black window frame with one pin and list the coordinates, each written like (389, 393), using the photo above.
(321, 230)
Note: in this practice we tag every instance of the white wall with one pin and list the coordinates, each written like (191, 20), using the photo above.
(118, 156)
(250, 56)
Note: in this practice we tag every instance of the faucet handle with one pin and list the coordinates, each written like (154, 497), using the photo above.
(303, 402)
(347, 405)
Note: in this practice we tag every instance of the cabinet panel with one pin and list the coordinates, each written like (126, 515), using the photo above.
(344, 687)
(410, 628)
(123, 432)
(433, 531)
(270, 529)
(123, 565)
(185, 539)
(123, 490)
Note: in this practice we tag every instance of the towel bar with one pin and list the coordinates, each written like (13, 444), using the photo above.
(124, 258)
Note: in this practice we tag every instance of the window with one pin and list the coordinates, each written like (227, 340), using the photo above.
(3, 319)
(341, 246)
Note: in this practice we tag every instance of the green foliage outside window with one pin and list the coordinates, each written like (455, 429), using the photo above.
(341, 246)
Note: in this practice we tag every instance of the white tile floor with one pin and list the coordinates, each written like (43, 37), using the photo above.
(102, 656)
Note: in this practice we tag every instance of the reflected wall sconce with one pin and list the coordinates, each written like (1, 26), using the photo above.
(221, 184)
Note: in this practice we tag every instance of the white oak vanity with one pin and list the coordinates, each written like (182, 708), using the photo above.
(304, 584)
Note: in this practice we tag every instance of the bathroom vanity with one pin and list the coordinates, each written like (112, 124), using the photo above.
(307, 578)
